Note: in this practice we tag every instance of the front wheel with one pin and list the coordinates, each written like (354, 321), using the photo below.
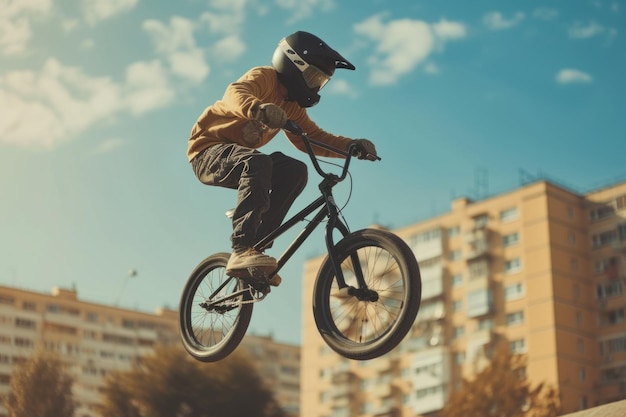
(211, 329)
(365, 323)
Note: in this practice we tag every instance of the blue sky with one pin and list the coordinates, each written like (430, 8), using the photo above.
(97, 98)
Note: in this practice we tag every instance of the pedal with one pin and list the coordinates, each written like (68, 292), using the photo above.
(258, 280)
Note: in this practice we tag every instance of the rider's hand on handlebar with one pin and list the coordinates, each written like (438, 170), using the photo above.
(271, 115)
(364, 149)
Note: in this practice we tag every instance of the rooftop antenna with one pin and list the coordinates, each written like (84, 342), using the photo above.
(481, 183)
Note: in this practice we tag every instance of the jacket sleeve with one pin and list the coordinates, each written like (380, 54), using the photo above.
(244, 96)
(300, 116)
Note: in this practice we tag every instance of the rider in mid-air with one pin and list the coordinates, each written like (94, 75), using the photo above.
(224, 140)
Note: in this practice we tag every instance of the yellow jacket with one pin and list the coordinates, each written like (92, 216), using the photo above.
(231, 119)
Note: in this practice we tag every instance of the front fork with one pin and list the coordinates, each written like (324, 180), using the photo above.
(335, 223)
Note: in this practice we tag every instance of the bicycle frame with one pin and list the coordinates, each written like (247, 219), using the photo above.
(327, 208)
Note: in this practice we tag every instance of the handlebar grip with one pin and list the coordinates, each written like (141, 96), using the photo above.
(293, 127)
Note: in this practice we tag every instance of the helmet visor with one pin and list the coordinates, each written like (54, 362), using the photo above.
(314, 77)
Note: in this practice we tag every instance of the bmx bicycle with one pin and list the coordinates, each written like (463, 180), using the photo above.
(366, 295)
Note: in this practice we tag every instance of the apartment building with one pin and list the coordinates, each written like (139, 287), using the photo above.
(541, 268)
(95, 339)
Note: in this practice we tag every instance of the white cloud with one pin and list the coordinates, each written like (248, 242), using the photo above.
(445, 30)
(226, 17)
(580, 31)
(87, 43)
(97, 10)
(43, 109)
(573, 76)
(147, 87)
(402, 45)
(176, 43)
(108, 146)
(15, 23)
(431, 68)
(228, 48)
(496, 21)
(302, 9)
(341, 87)
(545, 13)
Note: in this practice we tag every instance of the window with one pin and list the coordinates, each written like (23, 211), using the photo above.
(603, 239)
(580, 345)
(458, 331)
(512, 266)
(517, 346)
(508, 214)
(25, 323)
(454, 231)
(510, 239)
(571, 237)
(454, 255)
(620, 202)
(426, 236)
(23, 342)
(53, 308)
(514, 291)
(479, 302)
(600, 213)
(457, 305)
(515, 318)
(478, 269)
(573, 264)
(456, 280)
(485, 324)
(615, 345)
(480, 222)
(609, 289)
(613, 374)
(5, 299)
(613, 316)
(28, 306)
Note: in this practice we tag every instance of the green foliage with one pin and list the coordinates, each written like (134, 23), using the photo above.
(169, 383)
(501, 390)
(40, 387)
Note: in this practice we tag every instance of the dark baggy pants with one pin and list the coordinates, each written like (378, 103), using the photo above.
(267, 186)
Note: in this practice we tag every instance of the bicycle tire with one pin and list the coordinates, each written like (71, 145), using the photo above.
(363, 330)
(210, 336)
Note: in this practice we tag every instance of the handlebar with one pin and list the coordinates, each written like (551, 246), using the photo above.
(292, 127)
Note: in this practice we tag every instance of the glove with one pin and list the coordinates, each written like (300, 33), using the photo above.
(271, 115)
(364, 148)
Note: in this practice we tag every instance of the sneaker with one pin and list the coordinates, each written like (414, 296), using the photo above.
(275, 280)
(242, 259)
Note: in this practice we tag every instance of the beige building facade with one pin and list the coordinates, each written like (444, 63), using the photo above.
(541, 268)
(94, 339)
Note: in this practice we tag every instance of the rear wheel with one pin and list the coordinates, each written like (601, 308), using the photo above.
(365, 323)
(211, 330)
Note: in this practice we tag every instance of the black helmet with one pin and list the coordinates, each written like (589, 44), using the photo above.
(305, 64)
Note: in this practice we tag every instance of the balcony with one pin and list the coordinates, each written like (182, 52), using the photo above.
(345, 376)
(391, 412)
(430, 249)
(432, 281)
(479, 303)
(478, 240)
